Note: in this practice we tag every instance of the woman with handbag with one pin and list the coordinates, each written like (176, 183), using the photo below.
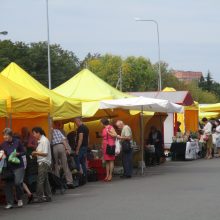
(108, 147)
(13, 146)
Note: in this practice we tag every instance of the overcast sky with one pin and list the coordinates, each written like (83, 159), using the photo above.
(189, 29)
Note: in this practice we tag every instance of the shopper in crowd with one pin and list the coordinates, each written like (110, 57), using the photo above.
(28, 140)
(60, 150)
(126, 140)
(155, 138)
(82, 142)
(108, 134)
(10, 145)
(177, 127)
(71, 137)
(207, 129)
(217, 134)
(43, 154)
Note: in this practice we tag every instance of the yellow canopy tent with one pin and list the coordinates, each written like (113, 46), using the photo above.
(61, 107)
(20, 99)
(87, 86)
(90, 89)
(169, 89)
(209, 115)
(210, 108)
(23, 104)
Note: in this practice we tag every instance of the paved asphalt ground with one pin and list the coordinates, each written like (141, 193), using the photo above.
(174, 191)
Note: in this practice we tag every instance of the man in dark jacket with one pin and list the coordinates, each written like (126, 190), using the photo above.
(155, 138)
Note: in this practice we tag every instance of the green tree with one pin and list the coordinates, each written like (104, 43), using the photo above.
(33, 58)
(200, 95)
(138, 74)
(64, 64)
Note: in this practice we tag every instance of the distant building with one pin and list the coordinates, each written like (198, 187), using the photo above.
(187, 76)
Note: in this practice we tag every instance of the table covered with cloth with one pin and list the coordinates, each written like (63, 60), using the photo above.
(184, 151)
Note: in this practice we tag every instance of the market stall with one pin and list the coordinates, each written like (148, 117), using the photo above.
(189, 118)
(142, 104)
(90, 90)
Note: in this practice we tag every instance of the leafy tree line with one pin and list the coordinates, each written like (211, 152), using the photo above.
(33, 58)
(138, 73)
(208, 84)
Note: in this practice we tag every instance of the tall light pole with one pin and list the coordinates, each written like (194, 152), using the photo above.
(48, 47)
(158, 43)
(3, 32)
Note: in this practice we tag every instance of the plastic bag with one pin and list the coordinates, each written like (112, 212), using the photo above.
(117, 146)
(13, 158)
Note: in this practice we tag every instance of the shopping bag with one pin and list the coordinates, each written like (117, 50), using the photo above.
(13, 158)
(117, 147)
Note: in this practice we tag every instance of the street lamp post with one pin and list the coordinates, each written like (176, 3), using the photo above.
(4, 32)
(158, 43)
(48, 47)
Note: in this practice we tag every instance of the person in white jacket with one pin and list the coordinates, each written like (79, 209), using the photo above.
(208, 137)
(217, 134)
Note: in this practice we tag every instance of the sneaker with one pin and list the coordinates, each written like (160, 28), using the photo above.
(20, 203)
(9, 206)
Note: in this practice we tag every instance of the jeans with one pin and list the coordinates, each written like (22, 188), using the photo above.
(18, 183)
(43, 185)
(127, 162)
(80, 159)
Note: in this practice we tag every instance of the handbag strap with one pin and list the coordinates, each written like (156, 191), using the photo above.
(107, 135)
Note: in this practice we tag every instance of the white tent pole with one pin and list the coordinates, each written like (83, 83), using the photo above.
(142, 140)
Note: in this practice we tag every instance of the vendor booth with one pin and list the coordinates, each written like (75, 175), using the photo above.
(142, 104)
(60, 107)
(90, 90)
(189, 118)
(23, 104)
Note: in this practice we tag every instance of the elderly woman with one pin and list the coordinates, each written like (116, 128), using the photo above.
(9, 145)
